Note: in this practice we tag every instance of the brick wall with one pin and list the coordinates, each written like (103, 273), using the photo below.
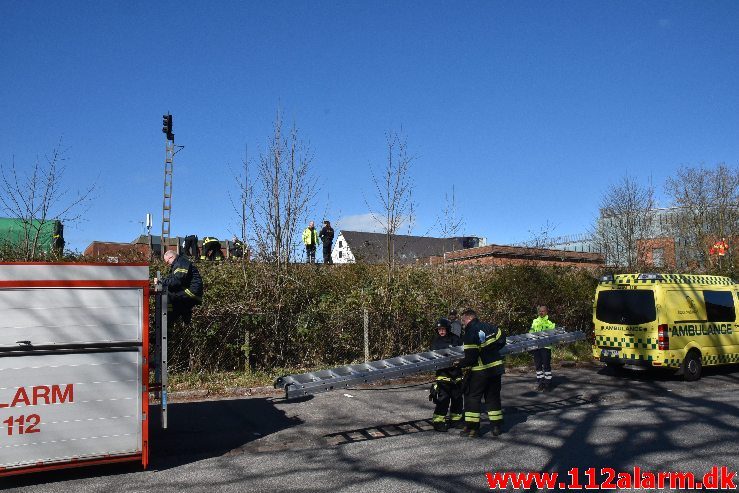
(649, 252)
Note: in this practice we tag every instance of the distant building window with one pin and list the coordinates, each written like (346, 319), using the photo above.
(341, 243)
(340, 253)
(658, 257)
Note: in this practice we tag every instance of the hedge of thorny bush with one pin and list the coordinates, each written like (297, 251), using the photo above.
(313, 316)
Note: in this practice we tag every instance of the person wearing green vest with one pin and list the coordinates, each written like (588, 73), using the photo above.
(542, 356)
(311, 240)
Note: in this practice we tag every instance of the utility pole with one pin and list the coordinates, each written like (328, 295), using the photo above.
(170, 151)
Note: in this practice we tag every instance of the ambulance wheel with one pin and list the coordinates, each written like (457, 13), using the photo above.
(692, 366)
(615, 368)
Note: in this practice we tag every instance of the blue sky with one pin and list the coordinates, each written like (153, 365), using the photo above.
(530, 109)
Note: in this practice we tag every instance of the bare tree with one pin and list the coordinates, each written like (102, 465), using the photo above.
(243, 204)
(543, 237)
(394, 193)
(242, 207)
(40, 195)
(281, 195)
(706, 209)
(452, 221)
(273, 202)
(627, 213)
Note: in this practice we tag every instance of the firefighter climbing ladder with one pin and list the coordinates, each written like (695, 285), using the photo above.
(385, 369)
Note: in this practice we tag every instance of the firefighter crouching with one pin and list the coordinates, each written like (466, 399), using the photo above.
(211, 249)
(482, 343)
(184, 287)
(447, 388)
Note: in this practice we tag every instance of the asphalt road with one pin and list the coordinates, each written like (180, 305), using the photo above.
(379, 440)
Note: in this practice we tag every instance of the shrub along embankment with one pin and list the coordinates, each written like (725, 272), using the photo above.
(313, 316)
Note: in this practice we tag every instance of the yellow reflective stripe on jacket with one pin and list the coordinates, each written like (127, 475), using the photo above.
(471, 346)
(191, 294)
(489, 365)
(491, 340)
(180, 269)
(448, 379)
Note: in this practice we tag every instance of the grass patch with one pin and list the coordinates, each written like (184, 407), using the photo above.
(577, 351)
(220, 382)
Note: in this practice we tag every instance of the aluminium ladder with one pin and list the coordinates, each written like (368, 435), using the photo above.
(385, 369)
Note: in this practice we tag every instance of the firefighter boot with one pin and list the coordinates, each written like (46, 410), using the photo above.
(469, 432)
(496, 430)
(473, 433)
(541, 386)
(441, 426)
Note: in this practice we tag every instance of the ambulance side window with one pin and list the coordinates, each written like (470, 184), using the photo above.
(719, 306)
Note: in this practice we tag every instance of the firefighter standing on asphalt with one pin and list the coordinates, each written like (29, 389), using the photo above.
(482, 343)
(447, 388)
(311, 241)
(184, 287)
(542, 356)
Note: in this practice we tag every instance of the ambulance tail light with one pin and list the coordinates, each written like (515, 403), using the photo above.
(663, 337)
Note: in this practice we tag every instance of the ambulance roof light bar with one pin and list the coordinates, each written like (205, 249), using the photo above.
(651, 276)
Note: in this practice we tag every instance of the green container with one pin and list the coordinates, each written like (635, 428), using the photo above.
(17, 233)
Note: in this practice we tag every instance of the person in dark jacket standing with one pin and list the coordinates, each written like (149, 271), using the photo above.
(456, 324)
(184, 287)
(482, 343)
(327, 237)
(447, 388)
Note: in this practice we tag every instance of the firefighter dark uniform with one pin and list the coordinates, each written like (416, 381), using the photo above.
(211, 249)
(237, 248)
(482, 343)
(542, 356)
(447, 388)
(184, 289)
(190, 246)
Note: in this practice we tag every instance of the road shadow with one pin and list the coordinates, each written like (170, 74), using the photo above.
(196, 431)
(200, 430)
(514, 415)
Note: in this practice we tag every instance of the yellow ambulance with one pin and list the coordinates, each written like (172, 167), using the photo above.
(674, 321)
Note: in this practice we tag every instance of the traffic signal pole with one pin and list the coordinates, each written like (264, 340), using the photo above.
(170, 151)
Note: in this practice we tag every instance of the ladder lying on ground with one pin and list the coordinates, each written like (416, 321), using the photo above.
(385, 369)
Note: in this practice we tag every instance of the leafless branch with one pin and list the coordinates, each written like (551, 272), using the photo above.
(41, 196)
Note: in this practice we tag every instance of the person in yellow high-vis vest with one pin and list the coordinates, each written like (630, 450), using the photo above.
(542, 356)
(311, 240)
